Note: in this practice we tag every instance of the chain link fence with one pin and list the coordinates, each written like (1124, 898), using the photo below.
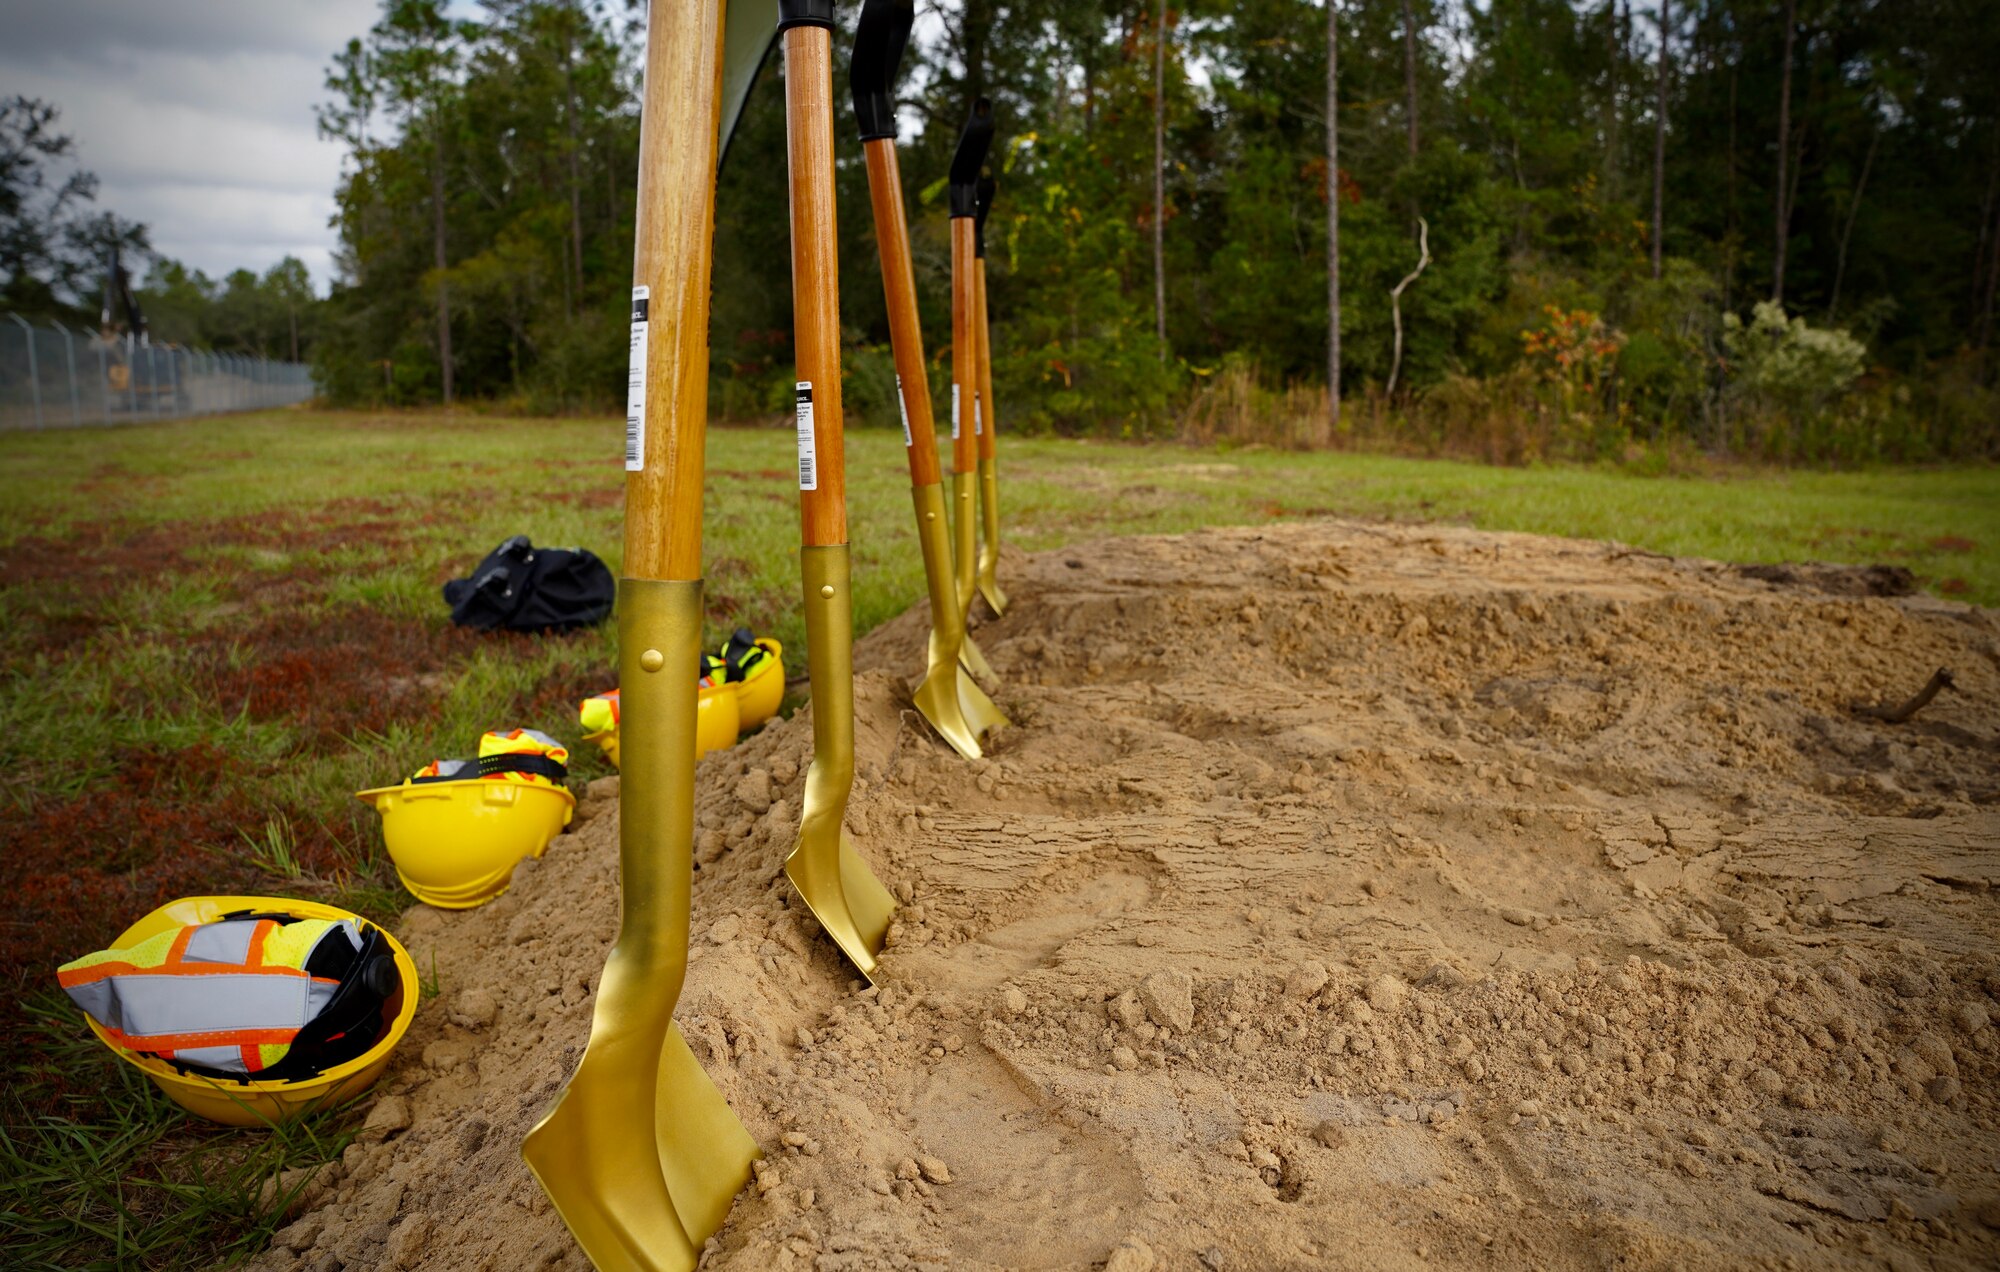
(54, 377)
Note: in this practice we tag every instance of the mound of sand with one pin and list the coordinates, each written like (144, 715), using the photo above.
(1346, 896)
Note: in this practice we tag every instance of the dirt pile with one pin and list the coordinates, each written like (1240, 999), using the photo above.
(1346, 896)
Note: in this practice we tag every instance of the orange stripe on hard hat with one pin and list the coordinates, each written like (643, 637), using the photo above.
(104, 971)
(206, 1038)
(254, 958)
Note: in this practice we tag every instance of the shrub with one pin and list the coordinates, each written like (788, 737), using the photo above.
(1786, 363)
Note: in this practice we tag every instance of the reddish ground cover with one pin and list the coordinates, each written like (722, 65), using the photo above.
(168, 822)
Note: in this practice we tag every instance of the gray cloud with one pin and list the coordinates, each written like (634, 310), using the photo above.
(196, 115)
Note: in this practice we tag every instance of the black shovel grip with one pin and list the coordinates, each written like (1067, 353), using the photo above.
(973, 144)
(986, 189)
(880, 38)
(798, 13)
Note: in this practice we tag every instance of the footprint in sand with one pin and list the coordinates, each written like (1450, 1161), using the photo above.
(1029, 1190)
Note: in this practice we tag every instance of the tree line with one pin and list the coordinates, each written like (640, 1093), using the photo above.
(1523, 227)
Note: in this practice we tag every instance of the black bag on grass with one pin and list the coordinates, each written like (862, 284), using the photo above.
(523, 588)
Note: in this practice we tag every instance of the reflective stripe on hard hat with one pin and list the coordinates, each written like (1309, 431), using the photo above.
(228, 996)
(224, 942)
(744, 656)
(154, 1009)
(523, 755)
(599, 714)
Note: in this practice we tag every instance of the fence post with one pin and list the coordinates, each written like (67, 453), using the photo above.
(103, 386)
(34, 367)
(69, 357)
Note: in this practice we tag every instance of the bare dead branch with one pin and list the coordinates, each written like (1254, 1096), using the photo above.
(1396, 299)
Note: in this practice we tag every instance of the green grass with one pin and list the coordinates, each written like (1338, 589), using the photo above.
(98, 1169)
(177, 559)
(489, 473)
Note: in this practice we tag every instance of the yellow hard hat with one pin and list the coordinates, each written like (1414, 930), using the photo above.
(759, 694)
(718, 716)
(246, 1101)
(455, 844)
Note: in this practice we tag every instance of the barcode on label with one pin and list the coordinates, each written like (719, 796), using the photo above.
(903, 405)
(954, 412)
(635, 384)
(808, 444)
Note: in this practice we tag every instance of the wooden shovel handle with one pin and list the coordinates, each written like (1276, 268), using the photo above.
(899, 290)
(816, 274)
(986, 434)
(964, 341)
(677, 160)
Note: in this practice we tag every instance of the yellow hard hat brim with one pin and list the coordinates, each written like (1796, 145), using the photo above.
(253, 1103)
(455, 844)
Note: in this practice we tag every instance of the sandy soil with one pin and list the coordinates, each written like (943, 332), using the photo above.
(1347, 896)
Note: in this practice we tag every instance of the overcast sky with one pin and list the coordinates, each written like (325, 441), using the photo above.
(196, 115)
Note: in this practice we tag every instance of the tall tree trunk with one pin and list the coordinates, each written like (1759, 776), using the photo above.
(1985, 228)
(575, 146)
(1847, 228)
(1614, 57)
(1660, 140)
(1332, 220)
(438, 253)
(1784, 216)
(1992, 290)
(1410, 74)
(1729, 220)
(1160, 180)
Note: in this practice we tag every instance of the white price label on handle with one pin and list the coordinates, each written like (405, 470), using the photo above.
(635, 383)
(808, 441)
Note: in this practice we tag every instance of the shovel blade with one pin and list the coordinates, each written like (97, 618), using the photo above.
(705, 1151)
(641, 1155)
(970, 658)
(990, 589)
(938, 701)
(979, 710)
(844, 895)
(640, 1203)
(986, 576)
(837, 885)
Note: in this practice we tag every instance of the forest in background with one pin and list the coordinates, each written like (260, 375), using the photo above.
(1760, 227)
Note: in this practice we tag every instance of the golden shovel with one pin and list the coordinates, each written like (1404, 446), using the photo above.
(987, 420)
(967, 419)
(641, 1154)
(839, 888)
(956, 707)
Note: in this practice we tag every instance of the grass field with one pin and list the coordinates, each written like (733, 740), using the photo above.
(213, 633)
